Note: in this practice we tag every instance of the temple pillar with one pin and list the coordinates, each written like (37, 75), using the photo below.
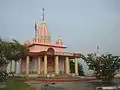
(20, 65)
(36, 65)
(56, 64)
(27, 65)
(45, 64)
(39, 61)
(67, 65)
(15, 66)
(76, 66)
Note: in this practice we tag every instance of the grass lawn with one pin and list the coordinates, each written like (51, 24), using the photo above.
(12, 84)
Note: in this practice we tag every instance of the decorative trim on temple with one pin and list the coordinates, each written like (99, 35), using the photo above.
(64, 53)
(72, 55)
(40, 44)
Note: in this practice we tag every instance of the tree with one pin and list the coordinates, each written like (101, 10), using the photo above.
(80, 68)
(3, 59)
(17, 51)
(104, 66)
(10, 50)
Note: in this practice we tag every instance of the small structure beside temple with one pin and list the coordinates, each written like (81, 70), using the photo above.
(44, 58)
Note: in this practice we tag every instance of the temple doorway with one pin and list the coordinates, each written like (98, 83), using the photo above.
(50, 61)
(50, 64)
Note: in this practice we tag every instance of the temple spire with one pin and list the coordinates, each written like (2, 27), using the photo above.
(43, 14)
(44, 34)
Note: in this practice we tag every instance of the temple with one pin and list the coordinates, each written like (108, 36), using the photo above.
(45, 58)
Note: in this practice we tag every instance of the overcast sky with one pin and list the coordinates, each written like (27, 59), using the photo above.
(83, 24)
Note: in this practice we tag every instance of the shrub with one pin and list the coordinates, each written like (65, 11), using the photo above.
(3, 76)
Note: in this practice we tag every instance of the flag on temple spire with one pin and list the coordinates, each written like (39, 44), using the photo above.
(35, 30)
(35, 26)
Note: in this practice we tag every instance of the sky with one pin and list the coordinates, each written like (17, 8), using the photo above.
(82, 24)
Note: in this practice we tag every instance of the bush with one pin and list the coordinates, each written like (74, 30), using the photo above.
(3, 76)
(11, 73)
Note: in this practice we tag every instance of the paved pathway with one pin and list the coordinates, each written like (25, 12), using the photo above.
(70, 86)
(91, 85)
(62, 86)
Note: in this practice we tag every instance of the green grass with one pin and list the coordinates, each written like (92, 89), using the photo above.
(12, 84)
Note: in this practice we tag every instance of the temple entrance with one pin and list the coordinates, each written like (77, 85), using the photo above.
(50, 64)
(50, 61)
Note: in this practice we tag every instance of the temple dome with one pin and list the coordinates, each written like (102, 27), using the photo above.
(59, 42)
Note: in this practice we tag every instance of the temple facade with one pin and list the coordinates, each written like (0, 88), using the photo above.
(45, 58)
